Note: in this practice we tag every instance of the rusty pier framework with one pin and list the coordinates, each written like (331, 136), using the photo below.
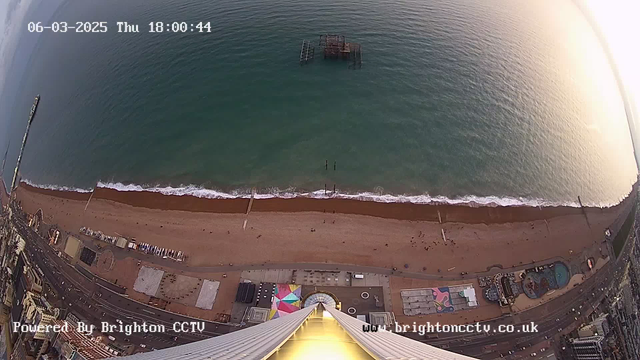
(334, 47)
(337, 47)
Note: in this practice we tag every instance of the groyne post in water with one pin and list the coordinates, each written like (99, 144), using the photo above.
(253, 194)
(34, 107)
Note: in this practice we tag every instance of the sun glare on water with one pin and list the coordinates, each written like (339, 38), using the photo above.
(619, 21)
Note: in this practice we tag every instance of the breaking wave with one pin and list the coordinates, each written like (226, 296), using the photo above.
(56, 187)
(201, 192)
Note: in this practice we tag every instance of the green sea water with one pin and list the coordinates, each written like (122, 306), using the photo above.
(488, 100)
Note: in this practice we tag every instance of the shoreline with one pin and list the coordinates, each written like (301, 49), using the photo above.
(217, 232)
(462, 213)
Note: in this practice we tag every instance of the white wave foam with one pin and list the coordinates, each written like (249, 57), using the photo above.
(201, 192)
(470, 200)
(191, 190)
(55, 187)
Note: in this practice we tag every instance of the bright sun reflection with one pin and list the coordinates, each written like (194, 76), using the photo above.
(321, 338)
(620, 23)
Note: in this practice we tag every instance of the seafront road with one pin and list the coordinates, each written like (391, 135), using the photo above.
(99, 302)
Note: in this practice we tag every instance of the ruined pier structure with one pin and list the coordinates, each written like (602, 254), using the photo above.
(334, 47)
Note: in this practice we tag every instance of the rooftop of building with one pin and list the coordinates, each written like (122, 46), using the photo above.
(85, 345)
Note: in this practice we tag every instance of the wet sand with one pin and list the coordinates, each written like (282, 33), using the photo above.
(399, 211)
(298, 230)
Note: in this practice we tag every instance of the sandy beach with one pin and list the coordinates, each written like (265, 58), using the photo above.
(400, 211)
(308, 230)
